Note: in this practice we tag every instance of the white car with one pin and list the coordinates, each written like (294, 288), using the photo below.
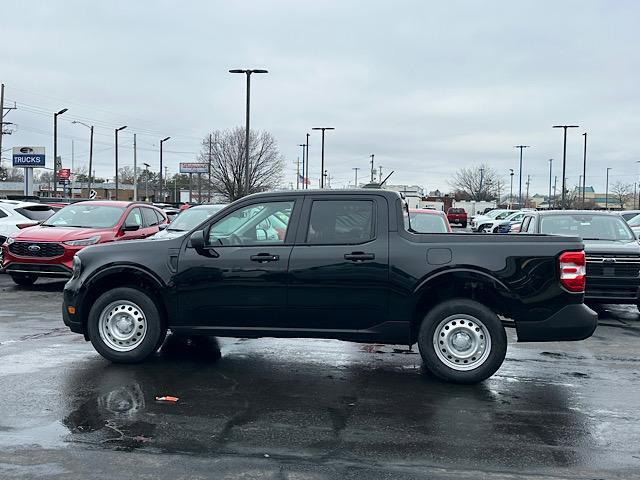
(492, 226)
(634, 223)
(477, 223)
(15, 215)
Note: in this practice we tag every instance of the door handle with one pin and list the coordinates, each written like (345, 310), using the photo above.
(359, 256)
(264, 257)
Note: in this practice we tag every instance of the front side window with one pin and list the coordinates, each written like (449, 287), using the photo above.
(257, 224)
(341, 222)
(134, 218)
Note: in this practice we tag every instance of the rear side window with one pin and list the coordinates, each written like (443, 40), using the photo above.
(150, 217)
(37, 213)
(160, 216)
(341, 222)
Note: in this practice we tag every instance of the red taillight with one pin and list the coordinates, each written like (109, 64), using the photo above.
(573, 271)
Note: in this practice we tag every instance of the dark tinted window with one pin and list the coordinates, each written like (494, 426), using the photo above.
(38, 213)
(150, 217)
(340, 222)
(2, 214)
(456, 210)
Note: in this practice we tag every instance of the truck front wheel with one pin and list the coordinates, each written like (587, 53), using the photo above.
(462, 341)
(125, 325)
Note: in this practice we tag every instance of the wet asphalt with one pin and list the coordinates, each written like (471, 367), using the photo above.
(309, 409)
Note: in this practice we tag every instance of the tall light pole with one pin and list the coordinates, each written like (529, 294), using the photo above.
(550, 173)
(511, 190)
(146, 182)
(372, 157)
(355, 169)
(90, 127)
(248, 73)
(521, 147)
(55, 148)
(306, 147)
(305, 174)
(161, 186)
(322, 154)
(116, 178)
(584, 168)
(564, 159)
(606, 195)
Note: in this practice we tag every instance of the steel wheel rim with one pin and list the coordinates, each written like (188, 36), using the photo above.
(462, 342)
(122, 325)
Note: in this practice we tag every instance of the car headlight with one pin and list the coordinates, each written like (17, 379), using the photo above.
(9, 240)
(83, 242)
(77, 266)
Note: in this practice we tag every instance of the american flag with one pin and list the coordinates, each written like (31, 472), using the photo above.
(303, 180)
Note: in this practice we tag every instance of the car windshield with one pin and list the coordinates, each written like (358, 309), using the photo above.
(494, 213)
(503, 215)
(192, 217)
(37, 213)
(428, 223)
(81, 215)
(515, 216)
(587, 226)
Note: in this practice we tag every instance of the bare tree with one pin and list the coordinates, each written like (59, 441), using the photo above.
(228, 162)
(478, 183)
(621, 192)
(125, 175)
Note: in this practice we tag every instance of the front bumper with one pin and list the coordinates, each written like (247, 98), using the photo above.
(612, 290)
(71, 297)
(571, 322)
(53, 270)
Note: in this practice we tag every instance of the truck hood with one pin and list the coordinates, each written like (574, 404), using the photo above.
(59, 234)
(630, 247)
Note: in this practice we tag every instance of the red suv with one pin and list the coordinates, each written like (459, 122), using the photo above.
(47, 250)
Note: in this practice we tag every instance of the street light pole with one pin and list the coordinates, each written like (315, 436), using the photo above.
(161, 186)
(306, 146)
(511, 190)
(146, 182)
(355, 169)
(322, 154)
(564, 159)
(550, 173)
(521, 147)
(606, 195)
(304, 171)
(55, 147)
(584, 168)
(248, 73)
(90, 127)
(116, 178)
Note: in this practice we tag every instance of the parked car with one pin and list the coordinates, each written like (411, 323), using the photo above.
(457, 216)
(15, 215)
(345, 268)
(429, 221)
(47, 250)
(612, 251)
(504, 225)
(188, 220)
(482, 222)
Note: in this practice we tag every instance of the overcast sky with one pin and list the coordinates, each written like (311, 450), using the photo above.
(428, 87)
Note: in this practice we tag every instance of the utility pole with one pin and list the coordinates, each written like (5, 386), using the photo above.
(584, 168)
(298, 173)
(527, 197)
(146, 182)
(355, 169)
(379, 173)
(55, 148)
(116, 178)
(481, 178)
(73, 161)
(564, 159)
(304, 170)
(135, 169)
(306, 146)
(208, 168)
(372, 156)
(90, 127)
(160, 171)
(606, 195)
(550, 172)
(521, 147)
(322, 152)
(555, 184)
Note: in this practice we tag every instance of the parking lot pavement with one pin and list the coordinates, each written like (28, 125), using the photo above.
(309, 409)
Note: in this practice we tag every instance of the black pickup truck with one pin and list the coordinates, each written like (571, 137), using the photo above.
(327, 264)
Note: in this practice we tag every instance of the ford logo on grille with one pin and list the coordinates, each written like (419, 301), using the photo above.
(608, 260)
(33, 248)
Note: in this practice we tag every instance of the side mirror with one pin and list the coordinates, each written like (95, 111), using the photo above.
(197, 239)
(130, 228)
(162, 226)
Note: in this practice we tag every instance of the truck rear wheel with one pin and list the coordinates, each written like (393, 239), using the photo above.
(462, 341)
(125, 326)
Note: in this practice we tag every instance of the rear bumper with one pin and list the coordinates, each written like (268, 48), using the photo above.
(571, 322)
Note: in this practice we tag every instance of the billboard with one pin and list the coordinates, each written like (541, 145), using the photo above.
(186, 167)
(64, 174)
(28, 157)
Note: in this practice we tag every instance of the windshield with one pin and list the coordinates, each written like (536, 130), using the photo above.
(494, 213)
(515, 216)
(503, 215)
(36, 212)
(589, 227)
(192, 217)
(428, 223)
(86, 216)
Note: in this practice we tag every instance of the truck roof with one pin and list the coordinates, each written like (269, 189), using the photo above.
(390, 194)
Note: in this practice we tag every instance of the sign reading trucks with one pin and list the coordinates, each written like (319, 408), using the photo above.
(28, 157)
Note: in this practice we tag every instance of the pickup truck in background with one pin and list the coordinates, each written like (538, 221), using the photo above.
(457, 216)
(347, 266)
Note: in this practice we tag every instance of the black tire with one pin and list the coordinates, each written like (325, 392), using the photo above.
(24, 280)
(477, 324)
(144, 306)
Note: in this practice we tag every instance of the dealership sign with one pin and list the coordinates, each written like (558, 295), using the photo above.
(28, 157)
(186, 167)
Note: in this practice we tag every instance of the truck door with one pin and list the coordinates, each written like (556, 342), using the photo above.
(239, 280)
(338, 272)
